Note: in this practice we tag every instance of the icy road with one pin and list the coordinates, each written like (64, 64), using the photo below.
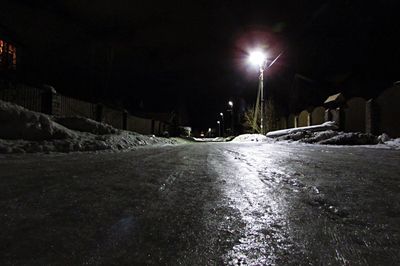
(202, 204)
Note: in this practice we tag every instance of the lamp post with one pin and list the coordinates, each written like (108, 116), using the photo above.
(222, 123)
(219, 128)
(230, 103)
(259, 59)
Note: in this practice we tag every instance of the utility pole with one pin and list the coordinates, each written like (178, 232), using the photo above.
(230, 103)
(261, 77)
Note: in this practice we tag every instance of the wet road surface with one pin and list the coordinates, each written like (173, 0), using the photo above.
(203, 204)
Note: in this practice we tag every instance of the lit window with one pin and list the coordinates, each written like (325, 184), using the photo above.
(8, 56)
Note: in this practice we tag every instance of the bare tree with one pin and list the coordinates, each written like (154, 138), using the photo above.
(250, 123)
(271, 115)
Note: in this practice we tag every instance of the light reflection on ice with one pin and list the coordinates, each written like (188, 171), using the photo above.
(252, 189)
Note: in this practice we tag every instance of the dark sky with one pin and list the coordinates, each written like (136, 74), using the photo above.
(164, 55)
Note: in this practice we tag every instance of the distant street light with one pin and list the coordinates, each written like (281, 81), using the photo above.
(230, 103)
(222, 123)
(219, 128)
(259, 59)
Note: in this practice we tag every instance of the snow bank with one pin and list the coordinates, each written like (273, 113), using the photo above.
(84, 124)
(330, 125)
(216, 139)
(25, 131)
(317, 137)
(19, 123)
(324, 134)
(124, 140)
(331, 137)
(356, 138)
(393, 143)
(250, 138)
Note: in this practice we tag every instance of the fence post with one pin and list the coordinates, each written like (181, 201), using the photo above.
(338, 117)
(152, 126)
(328, 115)
(51, 102)
(342, 118)
(371, 117)
(125, 120)
(99, 112)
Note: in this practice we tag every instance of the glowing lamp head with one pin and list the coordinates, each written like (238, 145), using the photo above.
(218, 122)
(221, 114)
(230, 103)
(257, 58)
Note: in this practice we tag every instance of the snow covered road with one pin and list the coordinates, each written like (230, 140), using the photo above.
(203, 204)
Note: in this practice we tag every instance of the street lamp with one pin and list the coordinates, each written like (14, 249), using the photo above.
(259, 59)
(230, 103)
(222, 123)
(219, 128)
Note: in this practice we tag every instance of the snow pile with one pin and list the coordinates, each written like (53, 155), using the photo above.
(316, 137)
(385, 141)
(25, 131)
(58, 145)
(330, 125)
(250, 138)
(324, 134)
(216, 139)
(352, 138)
(19, 123)
(124, 140)
(331, 137)
(394, 143)
(84, 124)
(383, 138)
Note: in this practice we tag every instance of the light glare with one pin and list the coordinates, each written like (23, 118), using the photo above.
(257, 58)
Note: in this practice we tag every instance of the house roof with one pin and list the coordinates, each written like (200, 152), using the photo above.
(335, 100)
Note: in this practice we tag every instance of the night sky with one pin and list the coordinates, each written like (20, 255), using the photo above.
(161, 56)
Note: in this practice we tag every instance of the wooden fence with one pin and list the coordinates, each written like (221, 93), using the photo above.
(50, 102)
(380, 115)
